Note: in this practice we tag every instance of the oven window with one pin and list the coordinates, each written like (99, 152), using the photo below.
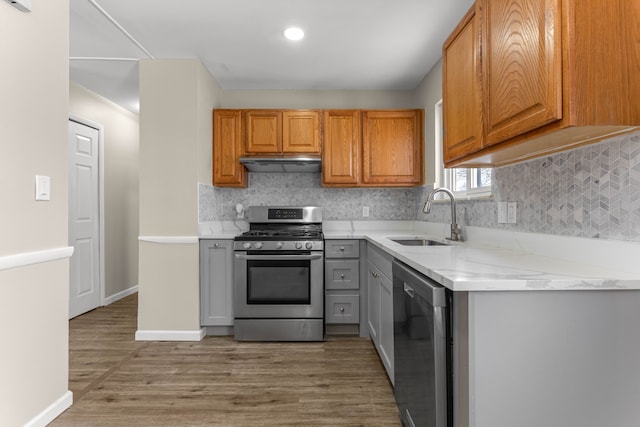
(278, 282)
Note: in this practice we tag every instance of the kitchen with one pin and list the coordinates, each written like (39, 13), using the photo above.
(181, 191)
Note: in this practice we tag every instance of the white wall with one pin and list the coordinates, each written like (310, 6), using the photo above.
(176, 100)
(121, 152)
(317, 99)
(428, 92)
(34, 76)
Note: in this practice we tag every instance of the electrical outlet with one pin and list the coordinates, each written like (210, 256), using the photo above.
(512, 212)
(502, 212)
(365, 211)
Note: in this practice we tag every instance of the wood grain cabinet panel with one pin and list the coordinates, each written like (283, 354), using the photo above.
(263, 132)
(393, 150)
(227, 149)
(522, 66)
(282, 132)
(461, 89)
(301, 132)
(378, 148)
(341, 148)
(556, 74)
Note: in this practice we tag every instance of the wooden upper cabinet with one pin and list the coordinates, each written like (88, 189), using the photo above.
(227, 149)
(393, 148)
(556, 74)
(263, 132)
(522, 66)
(301, 132)
(461, 89)
(282, 132)
(341, 148)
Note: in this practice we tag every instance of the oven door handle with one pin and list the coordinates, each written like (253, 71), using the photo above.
(278, 257)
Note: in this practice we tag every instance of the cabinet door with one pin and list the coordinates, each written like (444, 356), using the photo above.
(386, 325)
(227, 149)
(392, 148)
(522, 66)
(301, 132)
(341, 148)
(373, 303)
(264, 132)
(461, 96)
(216, 283)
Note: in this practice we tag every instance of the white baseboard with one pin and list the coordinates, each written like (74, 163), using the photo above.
(122, 294)
(50, 414)
(196, 335)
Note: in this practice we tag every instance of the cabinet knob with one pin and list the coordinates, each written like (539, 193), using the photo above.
(215, 245)
(341, 309)
(342, 276)
(342, 248)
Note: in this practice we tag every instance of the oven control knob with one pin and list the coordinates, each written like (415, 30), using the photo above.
(279, 245)
(257, 245)
(298, 245)
(246, 245)
(308, 245)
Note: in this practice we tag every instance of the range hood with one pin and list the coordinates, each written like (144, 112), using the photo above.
(282, 164)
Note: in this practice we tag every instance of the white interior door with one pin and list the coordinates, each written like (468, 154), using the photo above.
(84, 218)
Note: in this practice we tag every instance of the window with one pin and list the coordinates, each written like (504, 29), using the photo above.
(464, 182)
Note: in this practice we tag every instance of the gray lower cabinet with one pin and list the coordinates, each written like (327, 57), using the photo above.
(342, 285)
(216, 282)
(380, 305)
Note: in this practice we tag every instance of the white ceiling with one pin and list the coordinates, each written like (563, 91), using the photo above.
(348, 44)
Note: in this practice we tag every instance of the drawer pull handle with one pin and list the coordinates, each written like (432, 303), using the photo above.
(341, 309)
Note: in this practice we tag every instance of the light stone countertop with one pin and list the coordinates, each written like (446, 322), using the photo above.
(470, 267)
(489, 259)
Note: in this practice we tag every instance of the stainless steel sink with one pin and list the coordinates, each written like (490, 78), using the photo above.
(418, 242)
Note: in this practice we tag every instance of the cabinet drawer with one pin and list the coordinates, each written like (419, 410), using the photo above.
(342, 274)
(342, 309)
(342, 248)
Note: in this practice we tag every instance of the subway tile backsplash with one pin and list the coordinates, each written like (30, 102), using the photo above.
(592, 192)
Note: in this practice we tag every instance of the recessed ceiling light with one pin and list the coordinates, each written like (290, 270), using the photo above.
(294, 33)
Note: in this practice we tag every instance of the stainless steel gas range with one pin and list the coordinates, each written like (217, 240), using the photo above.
(279, 275)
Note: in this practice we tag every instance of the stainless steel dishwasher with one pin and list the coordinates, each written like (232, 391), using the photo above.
(421, 337)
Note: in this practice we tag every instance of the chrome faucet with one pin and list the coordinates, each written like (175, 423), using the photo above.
(456, 231)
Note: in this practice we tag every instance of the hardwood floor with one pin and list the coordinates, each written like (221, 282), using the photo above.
(117, 381)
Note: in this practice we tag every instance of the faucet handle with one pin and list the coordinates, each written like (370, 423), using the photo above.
(456, 233)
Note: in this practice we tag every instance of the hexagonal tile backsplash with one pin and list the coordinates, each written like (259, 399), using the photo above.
(593, 191)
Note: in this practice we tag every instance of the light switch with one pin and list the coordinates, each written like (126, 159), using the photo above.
(43, 187)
